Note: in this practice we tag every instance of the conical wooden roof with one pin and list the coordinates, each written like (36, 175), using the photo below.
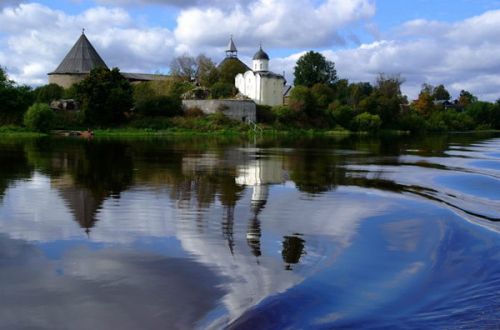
(82, 58)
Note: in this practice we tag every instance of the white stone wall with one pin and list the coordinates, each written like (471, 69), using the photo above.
(239, 110)
(263, 90)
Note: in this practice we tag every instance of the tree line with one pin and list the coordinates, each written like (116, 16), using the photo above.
(321, 99)
(318, 100)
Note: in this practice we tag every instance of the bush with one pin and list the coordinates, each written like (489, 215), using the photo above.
(39, 117)
(411, 121)
(159, 106)
(48, 93)
(450, 120)
(284, 114)
(265, 114)
(302, 101)
(367, 122)
(222, 90)
(68, 120)
(340, 115)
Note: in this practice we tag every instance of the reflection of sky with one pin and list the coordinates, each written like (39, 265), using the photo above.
(367, 253)
(149, 220)
(101, 289)
(467, 179)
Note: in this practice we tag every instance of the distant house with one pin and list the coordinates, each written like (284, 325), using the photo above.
(81, 59)
(446, 104)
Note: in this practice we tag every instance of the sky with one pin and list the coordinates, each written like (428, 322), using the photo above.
(455, 43)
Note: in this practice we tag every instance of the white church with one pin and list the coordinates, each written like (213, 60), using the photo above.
(260, 84)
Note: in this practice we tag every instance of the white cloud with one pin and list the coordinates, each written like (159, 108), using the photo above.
(461, 55)
(38, 37)
(277, 23)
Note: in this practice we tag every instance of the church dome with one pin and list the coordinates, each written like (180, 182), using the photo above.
(261, 55)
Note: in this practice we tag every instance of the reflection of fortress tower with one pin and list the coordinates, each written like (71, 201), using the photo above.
(83, 204)
(259, 174)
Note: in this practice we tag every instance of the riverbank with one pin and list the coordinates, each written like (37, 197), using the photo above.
(127, 132)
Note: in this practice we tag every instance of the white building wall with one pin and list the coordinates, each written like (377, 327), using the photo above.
(261, 89)
(260, 65)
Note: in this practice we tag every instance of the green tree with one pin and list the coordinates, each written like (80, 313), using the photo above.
(358, 91)
(229, 69)
(14, 100)
(441, 94)
(386, 100)
(183, 66)
(39, 117)
(484, 114)
(425, 102)
(323, 95)
(105, 96)
(341, 88)
(313, 68)
(206, 71)
(466, 98)
(367, 122)
(341, 115)
(302, 101)
(48, 93)
(223, 90)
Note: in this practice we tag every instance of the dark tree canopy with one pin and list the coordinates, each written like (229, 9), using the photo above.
(105, 96)
(313, 68)
(229, 69)
(48, 93)
(466, 98)
(441, 94)
(14, 100)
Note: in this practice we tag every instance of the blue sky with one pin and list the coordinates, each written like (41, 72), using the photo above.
(450, 42)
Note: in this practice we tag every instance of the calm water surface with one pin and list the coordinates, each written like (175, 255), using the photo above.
(265, 234)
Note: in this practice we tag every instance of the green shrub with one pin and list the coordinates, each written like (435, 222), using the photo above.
(14, 100)
(302, 101)
(411, 121)
(366, 122)
(340, 115)
(283, 114)
(222, 90)
(159, 105)
(450, 120)
(39, 117)
(48, 93)
(265, 114)
(68, 120)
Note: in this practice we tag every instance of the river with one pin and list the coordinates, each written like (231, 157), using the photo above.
(264, 233)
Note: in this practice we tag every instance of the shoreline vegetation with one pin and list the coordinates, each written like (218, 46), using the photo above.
(320, 103)
(128, 132)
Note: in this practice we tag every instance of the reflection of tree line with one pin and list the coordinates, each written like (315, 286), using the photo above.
(87, 173)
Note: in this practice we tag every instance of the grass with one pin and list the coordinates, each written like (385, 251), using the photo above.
(18, 132)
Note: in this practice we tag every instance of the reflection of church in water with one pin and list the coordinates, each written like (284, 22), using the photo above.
(257, 173)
